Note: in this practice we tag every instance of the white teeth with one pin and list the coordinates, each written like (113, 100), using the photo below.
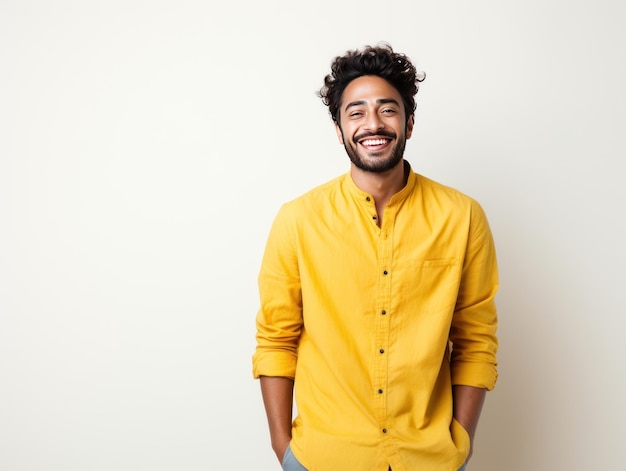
(374, 142)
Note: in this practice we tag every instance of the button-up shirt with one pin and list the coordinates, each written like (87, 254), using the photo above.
(376, 324)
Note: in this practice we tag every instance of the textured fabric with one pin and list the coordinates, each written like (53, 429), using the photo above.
(377, 323)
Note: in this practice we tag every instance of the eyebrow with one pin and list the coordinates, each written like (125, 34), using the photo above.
(380, 101)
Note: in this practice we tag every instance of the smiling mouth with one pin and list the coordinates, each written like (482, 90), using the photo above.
(374, 142)
(378, 141)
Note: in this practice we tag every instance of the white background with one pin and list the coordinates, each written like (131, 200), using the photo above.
(145, 148)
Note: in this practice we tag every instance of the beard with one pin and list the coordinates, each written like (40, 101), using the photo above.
(376, 164)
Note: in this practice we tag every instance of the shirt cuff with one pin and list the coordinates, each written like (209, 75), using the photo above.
(478, 375)
(274, 364)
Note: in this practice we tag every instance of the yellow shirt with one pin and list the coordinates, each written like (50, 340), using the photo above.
(376, 324)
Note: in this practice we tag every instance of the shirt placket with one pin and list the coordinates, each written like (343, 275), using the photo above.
(383, 318)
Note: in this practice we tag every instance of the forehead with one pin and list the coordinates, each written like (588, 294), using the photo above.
(369, 88)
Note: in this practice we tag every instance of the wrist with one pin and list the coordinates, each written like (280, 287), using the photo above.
(280, 445)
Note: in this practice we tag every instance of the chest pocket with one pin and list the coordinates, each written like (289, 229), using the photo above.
(436, 284)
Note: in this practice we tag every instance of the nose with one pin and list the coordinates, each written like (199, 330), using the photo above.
(374, 123)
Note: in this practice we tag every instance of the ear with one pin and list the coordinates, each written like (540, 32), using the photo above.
(409, 126)
(339, 133)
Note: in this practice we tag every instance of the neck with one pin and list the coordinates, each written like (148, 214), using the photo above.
(382, 186)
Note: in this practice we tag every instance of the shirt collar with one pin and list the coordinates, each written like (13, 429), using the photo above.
(401, 195)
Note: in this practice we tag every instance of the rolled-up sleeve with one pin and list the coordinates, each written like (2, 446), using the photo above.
(475, 321)
(279, 320)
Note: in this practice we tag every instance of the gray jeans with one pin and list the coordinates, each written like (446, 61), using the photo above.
(290, 463)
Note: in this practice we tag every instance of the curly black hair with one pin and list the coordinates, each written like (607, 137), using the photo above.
(380, 60)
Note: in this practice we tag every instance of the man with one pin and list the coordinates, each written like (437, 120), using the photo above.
(377, 297)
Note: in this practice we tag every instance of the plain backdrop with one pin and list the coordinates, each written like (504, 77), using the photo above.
(145, 148)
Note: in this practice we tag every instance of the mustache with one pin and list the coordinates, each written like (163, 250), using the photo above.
(389, 134)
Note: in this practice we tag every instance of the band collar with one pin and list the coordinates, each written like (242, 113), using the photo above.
(360, 195)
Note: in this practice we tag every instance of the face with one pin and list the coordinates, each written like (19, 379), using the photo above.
(372, 124)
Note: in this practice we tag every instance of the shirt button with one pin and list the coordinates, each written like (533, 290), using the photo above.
(382, 350)
(384, 430)
(383, 312)
(380, 391)
(385, 272)
(367, 198)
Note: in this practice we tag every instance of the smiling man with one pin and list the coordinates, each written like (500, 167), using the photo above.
(376, 127)
(377, 297)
